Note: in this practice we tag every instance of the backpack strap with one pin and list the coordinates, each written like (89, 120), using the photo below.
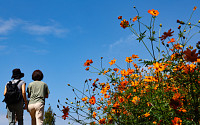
(15, 83)
(18, 82)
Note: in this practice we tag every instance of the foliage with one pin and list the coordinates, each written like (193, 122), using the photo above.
(163, 91)
(49, 117)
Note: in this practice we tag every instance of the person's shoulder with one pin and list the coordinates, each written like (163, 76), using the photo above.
(31, 83)
(44, 83)
(23, 82)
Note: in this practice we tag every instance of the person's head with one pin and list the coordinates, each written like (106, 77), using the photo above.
(17, 74)
(37, 75)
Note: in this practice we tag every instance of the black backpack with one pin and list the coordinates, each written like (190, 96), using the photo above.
(13, 94)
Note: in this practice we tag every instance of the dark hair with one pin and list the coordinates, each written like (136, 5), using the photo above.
(37, 75)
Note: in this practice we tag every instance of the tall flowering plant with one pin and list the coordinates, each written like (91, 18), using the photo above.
(164, 90)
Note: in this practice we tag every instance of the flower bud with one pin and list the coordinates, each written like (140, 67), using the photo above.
(189, 23)
(160, 25)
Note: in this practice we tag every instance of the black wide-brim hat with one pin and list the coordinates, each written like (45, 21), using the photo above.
(17, 73)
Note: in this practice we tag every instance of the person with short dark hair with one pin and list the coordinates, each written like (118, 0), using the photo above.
(15, 111)
(37, 92)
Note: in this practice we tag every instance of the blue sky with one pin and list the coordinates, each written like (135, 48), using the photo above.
(57, 37)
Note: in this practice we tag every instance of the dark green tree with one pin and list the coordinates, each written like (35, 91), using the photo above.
(49, 117)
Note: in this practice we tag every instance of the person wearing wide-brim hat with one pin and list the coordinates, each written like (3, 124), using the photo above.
(17, 108)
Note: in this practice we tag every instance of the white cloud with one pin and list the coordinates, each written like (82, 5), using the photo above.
(31, 28)
(8, 25)
(123, 41)
(45, 30)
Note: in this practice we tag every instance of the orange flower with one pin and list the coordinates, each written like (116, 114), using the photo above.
(124, 83)
(158, 66)
(190, 55)
(194, 8)
(105, 89)
(147, 114)
(116, 69)
(134, 56)
(134, 19)
(134, 76)
(92, 100)
(87, 68)
(119, 17)
(85, 99)
(124, 73)
(176, 96)
(109, 102)
(106, 96)
(124, 24)
(134, 83)
(176, 121)
(102, 121)
(121, 99)
(105, 71)
(171, 40)
(182, 110)
(65, 112)
(130, 71)
(128, 59)
(98, 108)
(153, 12)
(94, 114)
(135, 99)
(116, 105)
(178, 46)
(88, 62)
(112, 62)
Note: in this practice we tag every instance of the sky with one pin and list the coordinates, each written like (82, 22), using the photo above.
(57, 37)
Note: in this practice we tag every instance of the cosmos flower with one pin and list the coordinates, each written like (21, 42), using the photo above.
(134, 18)
(153, 12)
(92, 100)
(124, 24)
(166, 34)
(88, 62)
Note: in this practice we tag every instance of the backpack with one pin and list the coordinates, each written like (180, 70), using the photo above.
(13, 94)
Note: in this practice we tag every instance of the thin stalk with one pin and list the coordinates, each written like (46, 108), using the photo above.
(159, 43)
